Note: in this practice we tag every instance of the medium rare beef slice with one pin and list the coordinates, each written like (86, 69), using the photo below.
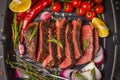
(43, 41)
(87, 44)
(60, 31)
(31, 45)
(51, 59)
(69, 60)
(96, 41)
(76, 38)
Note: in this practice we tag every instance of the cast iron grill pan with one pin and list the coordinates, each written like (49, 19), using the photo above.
(110, 43)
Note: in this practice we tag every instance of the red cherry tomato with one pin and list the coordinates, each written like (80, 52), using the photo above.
(90, 15)
(99, 9)
(68, 7)
(76, 3)
(80, 11)
(98, 1)
(85, 5)
(56, 7)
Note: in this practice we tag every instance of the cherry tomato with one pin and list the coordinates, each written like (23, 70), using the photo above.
(90, 15)
(99, 9)
(98, 1)
(68, 7)
(56, 7)
(85, 5)
(80, 11)
(76, 3)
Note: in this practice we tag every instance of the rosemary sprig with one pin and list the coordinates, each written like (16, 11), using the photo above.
(58, 42)
(16, 31)
(55, 73)
(26, 68)
(33, 32)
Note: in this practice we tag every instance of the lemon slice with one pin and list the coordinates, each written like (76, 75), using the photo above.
(103, 30)
(19, 5)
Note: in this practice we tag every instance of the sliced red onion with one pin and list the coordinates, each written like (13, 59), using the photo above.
(99, 58)
(98, 74)
(90, 66)
(86, 71)
(20, 74)
(21, 49)
(17, 74)
(45, 16)
(67, 73)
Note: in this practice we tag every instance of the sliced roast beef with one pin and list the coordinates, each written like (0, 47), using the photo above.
(31, 44)
(87, 44)
(51, 59)
(96, 41)
(43, 51)
(76, 37)
(69, 53)
(60, 31)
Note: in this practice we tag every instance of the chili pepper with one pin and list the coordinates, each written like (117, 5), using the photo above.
(32, 13)
(20, 15)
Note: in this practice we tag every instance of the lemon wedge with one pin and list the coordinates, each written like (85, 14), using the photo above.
(103, 30)
(19, 5)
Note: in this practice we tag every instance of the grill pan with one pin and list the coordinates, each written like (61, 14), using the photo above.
(110, 44)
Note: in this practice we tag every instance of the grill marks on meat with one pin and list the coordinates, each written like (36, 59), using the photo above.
(31, 45)
(72, 35)
(87, 34)
(76, 38)
(51, 59)
(69, 60)
(42, 41)
(60, 31)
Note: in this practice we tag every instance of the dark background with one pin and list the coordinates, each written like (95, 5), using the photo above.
(7, 41)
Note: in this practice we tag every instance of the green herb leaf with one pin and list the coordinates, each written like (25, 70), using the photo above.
(79, 76)
(85, 44)
(93, 74)
(15, 31)
(55, 73)
(58, 42)
(33, 32)
(25, 68)
(20, 26)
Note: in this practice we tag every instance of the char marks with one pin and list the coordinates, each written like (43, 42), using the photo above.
(71, 34)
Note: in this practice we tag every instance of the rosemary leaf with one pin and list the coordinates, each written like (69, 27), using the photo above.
(33, 32)
(58, 42)
(79, 76)
(93, 74)
(20, 26)
(85, 44)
